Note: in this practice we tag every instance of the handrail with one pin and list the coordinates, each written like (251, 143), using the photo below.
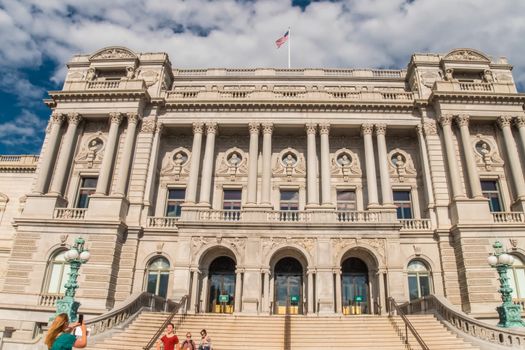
(121, 313)
(466, 324)
(408, 325)
(182, 303)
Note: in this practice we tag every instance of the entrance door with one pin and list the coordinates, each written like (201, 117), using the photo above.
(222, 285)
(288, 287)
(355, 296)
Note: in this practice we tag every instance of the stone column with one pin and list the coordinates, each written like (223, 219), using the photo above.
(68, 145)
(207, 163)
(310, 274)
(311, 166)
(326, 187)
(51, 149)
(512, 154)
(127, 154)
(338, 296)
(270, 294)
(152, 166)
(104, 176)
(266, 291)
(203, 300)
(472, 171)
(371, 178)
(191, 189)
(266, 186)
(252, 163)
(520, 124)
(194, 290)
(381, 291)
(238, 290)
(427, 181)
(453, 169)
(386, 186)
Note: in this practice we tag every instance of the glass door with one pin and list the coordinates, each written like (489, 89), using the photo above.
(221, 297)
(354, 285)
(288, 287)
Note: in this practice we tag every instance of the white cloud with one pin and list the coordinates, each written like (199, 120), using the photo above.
(352, 33)
(25, 129)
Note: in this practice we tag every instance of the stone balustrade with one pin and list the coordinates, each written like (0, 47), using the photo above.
(162, 221)
(359, 216)
(100, 85)
(46, 299)
(508, 217)
(416, 224)
(70, 213)
(18, 162)
(289, 216)
(456, 86)
(309, 72)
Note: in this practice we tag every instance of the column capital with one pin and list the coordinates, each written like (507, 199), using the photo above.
(380, 129)
(57, 118)
(519, 121)
(463, 120)
(211, 128)
(74, 118)
(504, 121)
(429, 127)
(311, 128)
(198, 128)
(267, 128)
(366, 129)
(133, 118)
(115, 117)
(148, 125)
(446, 119)
(254, 127)
(324, 128)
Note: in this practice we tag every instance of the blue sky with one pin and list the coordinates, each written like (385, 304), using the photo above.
(37, 38)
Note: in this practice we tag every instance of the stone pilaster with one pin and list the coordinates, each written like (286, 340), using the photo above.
(191, 189)
(371, 177)
(207, 164)
(266, 185)
(252, 163)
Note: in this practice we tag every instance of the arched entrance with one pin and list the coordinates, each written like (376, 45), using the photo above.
(355, 287)
(221, 285)
(288, 279)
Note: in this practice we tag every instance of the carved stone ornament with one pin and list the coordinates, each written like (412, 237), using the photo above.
(366, 129)
(513, 243)
(401, 164)
(113, 53)
(267, 128)
(377, 245)
(289, 163)
(429, 127)
(198, 128)
(130, 72)
(463, 120)
(273, 243)
(176, 163)
(485, 152)
(254, 128)
(345, 163)
(148, 125)
(446, 119)
(237, 244)
(74, 76)
(150, 77)
(417, 250)
(466, 55)
(63, 239)
(232, 163)
(429, 78)
(57, 118)
(504, 121)
(519, 122)
(92, 151)
(160, 246)
(380, 129)
(324, 129)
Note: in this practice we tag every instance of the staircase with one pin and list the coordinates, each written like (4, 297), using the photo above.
(230, 332)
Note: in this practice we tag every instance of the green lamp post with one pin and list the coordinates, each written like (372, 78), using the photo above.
(76, 256)
(509, 313)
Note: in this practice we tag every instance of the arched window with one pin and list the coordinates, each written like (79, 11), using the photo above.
(57, 274)
(419, 279)
(157, 276)
(517, 279)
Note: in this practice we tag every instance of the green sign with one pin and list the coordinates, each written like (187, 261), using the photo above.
(224, 298)
(294, 298)
(358, 298)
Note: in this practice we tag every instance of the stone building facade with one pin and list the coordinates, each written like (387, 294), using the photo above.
(268, 191)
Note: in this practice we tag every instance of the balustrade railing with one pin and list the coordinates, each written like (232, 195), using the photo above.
(359, 216)
(464, 323)
(508, 217)
(375, 73)
(289, 216)
(415, 224)
(127, 309)
(176, 309)
(475, 86)
(104, 84)
(393, 306)
(70, 213)
(162, 221)
(220, 215)
(47, 299)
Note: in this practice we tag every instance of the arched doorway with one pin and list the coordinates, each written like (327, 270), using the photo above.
(288, 288)
(221, 285)
(355, 287)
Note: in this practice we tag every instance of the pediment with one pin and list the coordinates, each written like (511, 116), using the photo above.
(467, 55)
(113, 53)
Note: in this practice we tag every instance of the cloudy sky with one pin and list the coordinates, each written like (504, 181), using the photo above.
(38, 37)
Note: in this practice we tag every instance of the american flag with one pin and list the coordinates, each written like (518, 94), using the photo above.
(279, 42)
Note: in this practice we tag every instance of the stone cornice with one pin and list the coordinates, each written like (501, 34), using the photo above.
(477, 97)
(98, 96)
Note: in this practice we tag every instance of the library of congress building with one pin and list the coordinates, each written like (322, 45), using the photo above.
(268, 191)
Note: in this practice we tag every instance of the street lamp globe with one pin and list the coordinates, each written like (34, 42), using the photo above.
(492, 260)
(85, 255)
(505, 259)
(71, 254)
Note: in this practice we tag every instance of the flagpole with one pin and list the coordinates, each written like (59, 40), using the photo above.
(289, 44)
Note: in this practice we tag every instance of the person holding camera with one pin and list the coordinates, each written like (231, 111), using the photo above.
(59, 335)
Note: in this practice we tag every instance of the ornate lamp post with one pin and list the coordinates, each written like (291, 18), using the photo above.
(76, 256)
(509, 313)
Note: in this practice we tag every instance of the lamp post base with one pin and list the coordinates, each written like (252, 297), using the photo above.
(68, 306)
(510, 316)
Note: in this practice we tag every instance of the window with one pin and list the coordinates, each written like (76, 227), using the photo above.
(346, 200)
(232, 200)
(418, 280)
(403, 202)
(57, 274)
(490, 191)
(289, 200)
(517, 279)
(88, 185)
(157, 277)
(175, 199)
